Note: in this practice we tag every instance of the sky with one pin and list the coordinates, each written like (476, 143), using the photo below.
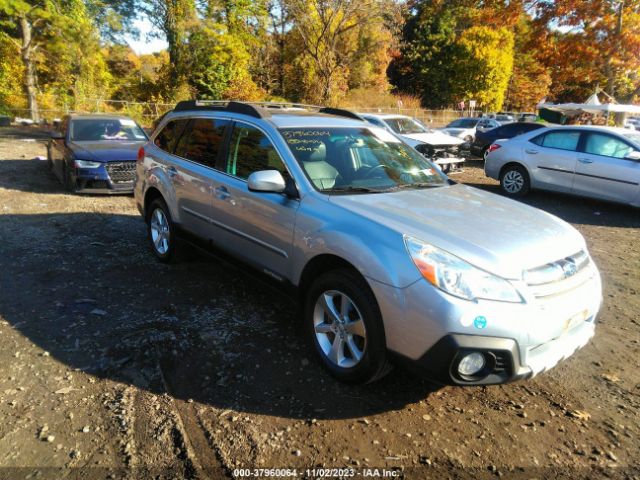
(144, 45)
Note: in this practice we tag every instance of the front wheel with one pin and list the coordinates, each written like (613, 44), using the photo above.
(69, 180)
(514, 181)
(345, 327)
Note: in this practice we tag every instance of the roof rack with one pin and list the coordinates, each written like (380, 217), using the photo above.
(249, 109)
(341, 112)
(259, 109)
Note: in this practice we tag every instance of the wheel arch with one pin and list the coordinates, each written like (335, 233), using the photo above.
(514, 163)
(150, 195)
(321, 264)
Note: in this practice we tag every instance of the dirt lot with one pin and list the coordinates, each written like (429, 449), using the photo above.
(115, 366)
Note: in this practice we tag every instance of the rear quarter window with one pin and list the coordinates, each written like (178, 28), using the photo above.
(170, 134)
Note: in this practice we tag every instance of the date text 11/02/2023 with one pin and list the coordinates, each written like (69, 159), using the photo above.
(316, 472)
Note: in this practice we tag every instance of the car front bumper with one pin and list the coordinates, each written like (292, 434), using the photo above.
(430, 331)
(106, 179)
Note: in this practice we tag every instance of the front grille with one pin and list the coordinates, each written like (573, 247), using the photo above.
(438, 151)
(559, 276)
(121, 172)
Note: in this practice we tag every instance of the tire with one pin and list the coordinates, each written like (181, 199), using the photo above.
(49, 160)
(515, 181)
(160, 225)
(69, 181)
(352, 349)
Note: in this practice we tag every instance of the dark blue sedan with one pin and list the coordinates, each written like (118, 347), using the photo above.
(96, 153)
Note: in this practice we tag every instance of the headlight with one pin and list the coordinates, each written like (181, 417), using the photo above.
(86, 164)
(457, 277)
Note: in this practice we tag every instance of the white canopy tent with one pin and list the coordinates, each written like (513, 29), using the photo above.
(592, 105)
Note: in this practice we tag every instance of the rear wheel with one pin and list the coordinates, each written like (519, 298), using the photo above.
(514, 181)
(161, 231)
(345, 327)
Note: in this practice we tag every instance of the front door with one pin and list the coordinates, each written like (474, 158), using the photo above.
(553, 156)
(259, 225)
(603, 171)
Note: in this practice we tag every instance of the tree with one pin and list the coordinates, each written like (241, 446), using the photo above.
(175, 19)
(483, 66)
(455, 51)
(25, 27)
(591, 43)
(326, 30)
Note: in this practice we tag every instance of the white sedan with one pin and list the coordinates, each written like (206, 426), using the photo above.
(598, 162)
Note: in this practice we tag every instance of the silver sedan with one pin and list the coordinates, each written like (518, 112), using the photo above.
(598, 162)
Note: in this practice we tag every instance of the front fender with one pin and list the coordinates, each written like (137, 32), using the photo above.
(376, 251)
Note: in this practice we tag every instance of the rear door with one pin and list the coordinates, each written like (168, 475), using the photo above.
(553, 156)
(603, 171)
(191, 172)
(259, 226)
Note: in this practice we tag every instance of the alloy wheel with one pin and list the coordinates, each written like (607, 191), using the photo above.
(160, 233)
(339, 328)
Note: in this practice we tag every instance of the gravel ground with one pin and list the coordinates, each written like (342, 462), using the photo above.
(115, 366)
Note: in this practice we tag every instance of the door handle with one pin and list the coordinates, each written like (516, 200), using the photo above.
(585, 160)
(221, 192)
(531, 152)
(172, 171)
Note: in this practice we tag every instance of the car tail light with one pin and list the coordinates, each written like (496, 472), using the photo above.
(140, 154)
(493, 147)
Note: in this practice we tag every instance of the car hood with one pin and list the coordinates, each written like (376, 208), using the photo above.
(458, 131)
(433, 138)
(106, 150)
(494, 233)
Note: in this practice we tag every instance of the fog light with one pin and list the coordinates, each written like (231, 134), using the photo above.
(471, 364)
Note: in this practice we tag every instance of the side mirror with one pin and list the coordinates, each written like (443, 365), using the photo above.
(266, 181)
(635, 155)
(57, 135)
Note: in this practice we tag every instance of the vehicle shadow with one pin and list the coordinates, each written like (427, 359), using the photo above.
(34, 176)
(573, 209)
(85, 288)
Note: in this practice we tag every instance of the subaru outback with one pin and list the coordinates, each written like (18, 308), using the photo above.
(393, 262)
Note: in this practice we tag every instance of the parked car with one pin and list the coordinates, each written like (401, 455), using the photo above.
(440, 148)
(96, 153)
(391, 261)
(503, 119)
(599, 162)
(466, 128)
(527, 117)
(483, 140)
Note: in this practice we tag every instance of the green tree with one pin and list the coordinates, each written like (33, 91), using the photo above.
(25, 24)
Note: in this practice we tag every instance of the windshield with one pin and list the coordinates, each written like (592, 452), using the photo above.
(405, 126)
(92, 129)
(633, 136)
(463, 123)
(359, 160)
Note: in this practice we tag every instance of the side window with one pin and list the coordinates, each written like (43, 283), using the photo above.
(202, 140)
(558, 139)
(167, 138)
(510, 130)
(607, 146)
(251, 151)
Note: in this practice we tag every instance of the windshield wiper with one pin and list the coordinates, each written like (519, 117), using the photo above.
(415, 185)
(351, 189)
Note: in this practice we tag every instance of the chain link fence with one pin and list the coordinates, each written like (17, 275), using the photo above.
(146, 113)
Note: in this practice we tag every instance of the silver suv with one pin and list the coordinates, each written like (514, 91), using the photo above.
(393, 262)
